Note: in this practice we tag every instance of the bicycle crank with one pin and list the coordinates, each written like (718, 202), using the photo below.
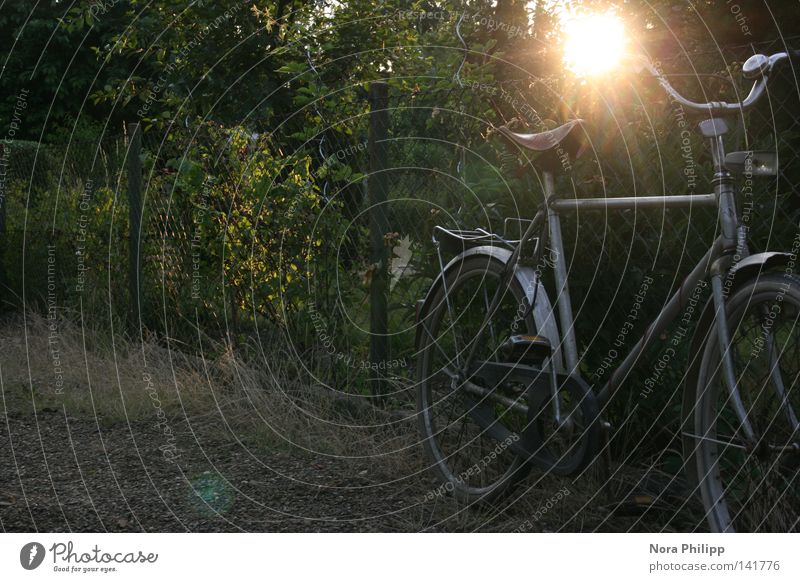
(560, 437)
(565, 436)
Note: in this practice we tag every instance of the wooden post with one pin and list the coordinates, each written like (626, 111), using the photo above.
(378, 227)
(134, 166)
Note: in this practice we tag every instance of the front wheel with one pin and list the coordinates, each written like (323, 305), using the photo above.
(752, 485)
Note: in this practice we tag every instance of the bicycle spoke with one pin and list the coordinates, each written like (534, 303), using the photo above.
(717, 441)
(749, 484)
(491, 321)
(457, 433)
(434, 341)
(777, 381)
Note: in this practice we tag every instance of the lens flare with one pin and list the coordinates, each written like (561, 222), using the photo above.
(594, 44)
(210, 494)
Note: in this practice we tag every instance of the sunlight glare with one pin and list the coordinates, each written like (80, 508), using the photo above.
(593, 43)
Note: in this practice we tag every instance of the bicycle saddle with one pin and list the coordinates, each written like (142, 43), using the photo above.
(557, 146)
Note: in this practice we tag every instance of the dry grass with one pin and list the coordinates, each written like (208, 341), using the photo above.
(53, 363)
(273, 400)
(271, 397)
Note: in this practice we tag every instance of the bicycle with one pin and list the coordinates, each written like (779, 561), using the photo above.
(495, 370)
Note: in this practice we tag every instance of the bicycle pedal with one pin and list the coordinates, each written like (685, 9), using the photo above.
(527, 349)
(634, 505)
(652, 492)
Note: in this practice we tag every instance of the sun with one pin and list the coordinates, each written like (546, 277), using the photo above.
(594, 44)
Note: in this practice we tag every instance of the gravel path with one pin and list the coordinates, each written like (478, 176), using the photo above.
(59, 473)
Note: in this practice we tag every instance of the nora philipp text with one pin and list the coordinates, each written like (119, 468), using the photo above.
(688, 549)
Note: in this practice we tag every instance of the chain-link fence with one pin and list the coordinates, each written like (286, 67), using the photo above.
(239, 236)
(640, 144)
(60, 235)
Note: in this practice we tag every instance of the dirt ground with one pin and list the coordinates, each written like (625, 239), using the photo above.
(59, 473)
(146, 438)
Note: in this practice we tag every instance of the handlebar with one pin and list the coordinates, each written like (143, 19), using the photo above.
(758, 67)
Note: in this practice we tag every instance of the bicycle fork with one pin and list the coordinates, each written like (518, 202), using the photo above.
(734, 243)
(728, 372)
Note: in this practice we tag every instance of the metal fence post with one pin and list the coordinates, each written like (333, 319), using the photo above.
(134, 166)
(3, 242)
(378, 227)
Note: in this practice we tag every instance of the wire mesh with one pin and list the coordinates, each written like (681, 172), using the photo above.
(445, 167)
(450, 174)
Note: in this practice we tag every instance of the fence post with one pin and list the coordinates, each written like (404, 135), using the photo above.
(3, 242)
(134, 166)
(378, 227)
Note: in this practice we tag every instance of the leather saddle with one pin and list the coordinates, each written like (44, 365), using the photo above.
(557, 147)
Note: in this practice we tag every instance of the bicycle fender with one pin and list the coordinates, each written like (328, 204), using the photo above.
(543, 315)
(754, 264)
(741, 272)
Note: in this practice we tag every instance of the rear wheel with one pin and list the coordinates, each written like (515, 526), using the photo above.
(749, 486)
(471, 463)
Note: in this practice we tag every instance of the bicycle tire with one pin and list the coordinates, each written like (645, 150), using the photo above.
(480, 268)
(730, 503)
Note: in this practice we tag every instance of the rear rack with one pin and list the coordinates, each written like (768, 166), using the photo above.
(457, 241)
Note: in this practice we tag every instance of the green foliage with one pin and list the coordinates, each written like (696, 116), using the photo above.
(255, 117)
(64, 251)
(254, 223)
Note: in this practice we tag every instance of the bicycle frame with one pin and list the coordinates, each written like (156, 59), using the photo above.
(536, 373)
(671, 310)
(715, 263)
(726, 250)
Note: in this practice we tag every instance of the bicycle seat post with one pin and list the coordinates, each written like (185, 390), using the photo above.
(560, 271)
